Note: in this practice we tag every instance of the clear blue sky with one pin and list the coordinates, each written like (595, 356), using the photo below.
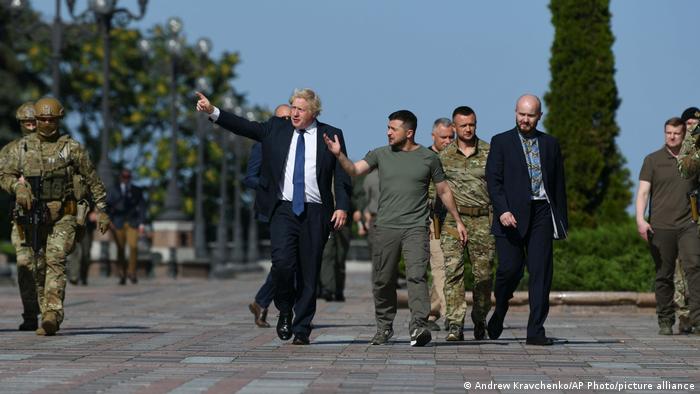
(367, 58)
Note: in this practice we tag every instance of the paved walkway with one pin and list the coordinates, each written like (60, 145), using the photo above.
(192, 335)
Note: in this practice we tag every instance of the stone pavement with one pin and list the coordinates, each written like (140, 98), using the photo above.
(193, 335)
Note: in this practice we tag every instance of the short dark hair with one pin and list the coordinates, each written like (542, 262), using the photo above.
(675, 122)
(410, 122)
(462, 110)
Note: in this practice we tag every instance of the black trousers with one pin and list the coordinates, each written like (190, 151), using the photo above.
(534, 251)
(297, 247)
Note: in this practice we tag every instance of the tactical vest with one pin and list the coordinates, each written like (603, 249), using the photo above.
(54, 165)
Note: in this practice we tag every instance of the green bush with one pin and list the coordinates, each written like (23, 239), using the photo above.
(608, 258)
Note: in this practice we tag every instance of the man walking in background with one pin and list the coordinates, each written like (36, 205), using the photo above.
(670, 231)
(266, 293)
(128, 211)
(442, 135)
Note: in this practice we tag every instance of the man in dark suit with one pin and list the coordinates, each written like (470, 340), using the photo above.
(295, 193)
(525, 179)
(266, 293)
(128, 213)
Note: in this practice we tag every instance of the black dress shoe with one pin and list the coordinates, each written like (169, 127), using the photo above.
(326, 295)
(339, 298)
(300, 339)
(540, 341)
(284, 326)
(495, 326)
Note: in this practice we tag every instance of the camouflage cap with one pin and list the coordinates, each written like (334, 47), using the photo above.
(25, 111)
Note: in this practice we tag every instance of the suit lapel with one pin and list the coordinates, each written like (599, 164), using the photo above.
(320, 148)
(518, 146)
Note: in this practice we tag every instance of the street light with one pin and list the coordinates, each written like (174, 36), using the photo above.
(173, 198)
(203, 85)
(104, 11)
(237, 254)
(228, 103)
(56, 44)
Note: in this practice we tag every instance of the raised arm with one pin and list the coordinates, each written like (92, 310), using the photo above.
(353, 169)
(232, 122)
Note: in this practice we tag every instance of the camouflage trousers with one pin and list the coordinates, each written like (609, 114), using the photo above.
(437, 269)
(51, 278)
(680, 292)
(26, 271)
(480, 249)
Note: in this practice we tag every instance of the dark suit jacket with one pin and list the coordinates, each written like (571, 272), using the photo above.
(252, 174)
(508, 181)
(275, 136)
(126, 208)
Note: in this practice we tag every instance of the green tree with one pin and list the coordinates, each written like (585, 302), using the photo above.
(581, 103)
(20, 82)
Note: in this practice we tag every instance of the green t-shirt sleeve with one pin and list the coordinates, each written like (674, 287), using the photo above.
(646, 172)
(437, 174)
(371, 159)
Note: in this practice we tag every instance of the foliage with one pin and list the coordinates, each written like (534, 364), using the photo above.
(611, 257)
(140, 102)
(581, 103)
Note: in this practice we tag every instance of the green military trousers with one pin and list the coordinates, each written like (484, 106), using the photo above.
(389, 245)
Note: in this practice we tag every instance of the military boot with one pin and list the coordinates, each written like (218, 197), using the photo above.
(684, 325)
(30, 323)
(665, 327)
(49, 323)
(455, 333)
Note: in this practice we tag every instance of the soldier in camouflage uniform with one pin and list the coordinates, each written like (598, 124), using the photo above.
(442, 134)
(66, 172)
(464, 163)
(25, 256)
(691, 117)
(689, 167)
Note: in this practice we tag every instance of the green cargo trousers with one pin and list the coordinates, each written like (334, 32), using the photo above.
(389, 245)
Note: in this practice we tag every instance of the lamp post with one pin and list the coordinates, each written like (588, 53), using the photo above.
(173, 198)
(203, 85)
(104, 11)
(221, 257)
(56, 44)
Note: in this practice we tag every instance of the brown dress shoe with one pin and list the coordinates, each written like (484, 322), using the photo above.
(260, 315)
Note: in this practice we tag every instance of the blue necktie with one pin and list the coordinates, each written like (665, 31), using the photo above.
(298, 178)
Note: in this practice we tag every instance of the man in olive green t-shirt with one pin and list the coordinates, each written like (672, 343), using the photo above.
(405, 172)
(670, 230)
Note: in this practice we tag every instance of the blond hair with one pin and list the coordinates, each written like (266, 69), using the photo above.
(311, 98)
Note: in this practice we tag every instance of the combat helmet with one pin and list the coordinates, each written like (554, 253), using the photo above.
(44, 109)
(25, 114)
(48, 107)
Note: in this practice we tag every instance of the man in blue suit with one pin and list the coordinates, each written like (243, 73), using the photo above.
(525, 180)
(295, 193)
(266, 293)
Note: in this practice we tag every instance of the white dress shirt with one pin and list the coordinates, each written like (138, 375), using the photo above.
(312, 194)
(286, 186)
